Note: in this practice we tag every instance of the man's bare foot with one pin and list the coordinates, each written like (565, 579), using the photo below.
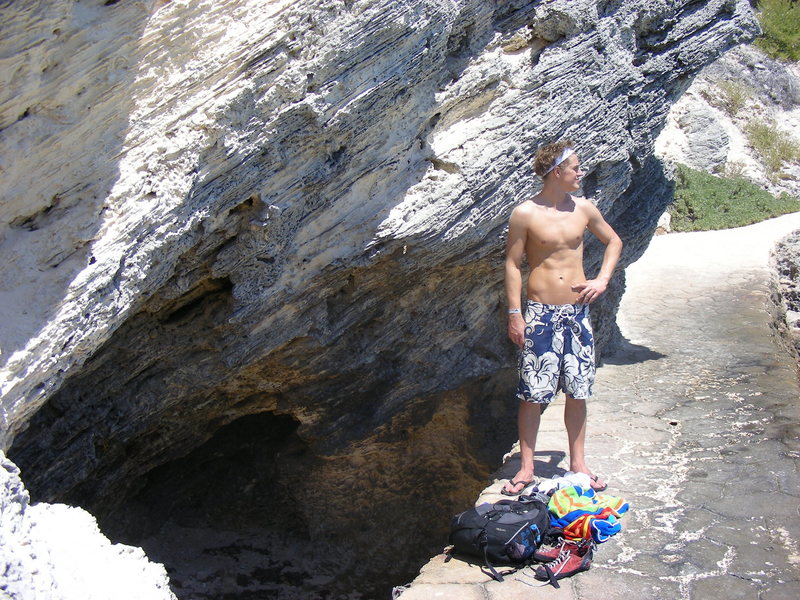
(598, 485)
(516, 484)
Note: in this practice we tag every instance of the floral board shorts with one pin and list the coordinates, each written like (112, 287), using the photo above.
(558, 352)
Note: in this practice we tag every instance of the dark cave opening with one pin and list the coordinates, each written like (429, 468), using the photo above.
(228, 523)
(231, 480)
(257, 511)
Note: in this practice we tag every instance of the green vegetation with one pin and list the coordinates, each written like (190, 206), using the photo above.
(733, 169)
(774, 145)
(734, 96)
(704, 201)
(780, 22)
(730, 95)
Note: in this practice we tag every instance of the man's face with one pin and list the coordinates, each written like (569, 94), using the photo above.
(569, 173)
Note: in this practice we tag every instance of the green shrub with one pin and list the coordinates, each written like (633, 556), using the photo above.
(727, 95)
(704, 201)
(733, 169)
(734, 96)
(774, 145)
(780, 23)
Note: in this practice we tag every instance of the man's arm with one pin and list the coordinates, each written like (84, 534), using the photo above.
(592, 289)
(515, 250)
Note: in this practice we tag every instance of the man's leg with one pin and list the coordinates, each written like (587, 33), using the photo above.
(575, 422)
(528, 418)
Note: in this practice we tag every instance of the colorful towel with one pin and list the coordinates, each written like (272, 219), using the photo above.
(583, 513)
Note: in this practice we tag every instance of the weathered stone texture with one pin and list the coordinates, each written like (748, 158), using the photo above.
(784, 265)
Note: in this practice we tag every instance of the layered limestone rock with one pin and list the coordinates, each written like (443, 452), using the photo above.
(294, 212)
(57, 552)
(785, 291)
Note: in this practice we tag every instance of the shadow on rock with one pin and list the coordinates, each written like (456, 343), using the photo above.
(545, 464)
(626, 353)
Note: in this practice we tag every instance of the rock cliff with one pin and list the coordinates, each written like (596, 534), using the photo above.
(707, 128)
(263, 241)
(785, 292)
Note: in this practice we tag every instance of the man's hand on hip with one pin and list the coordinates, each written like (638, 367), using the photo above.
(589, 290)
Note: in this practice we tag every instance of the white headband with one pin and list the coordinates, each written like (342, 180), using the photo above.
(565, 154)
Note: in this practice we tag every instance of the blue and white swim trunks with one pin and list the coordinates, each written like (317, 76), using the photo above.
(558, 352)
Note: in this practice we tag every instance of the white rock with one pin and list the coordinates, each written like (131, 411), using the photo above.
(145, 144)
(56, 552)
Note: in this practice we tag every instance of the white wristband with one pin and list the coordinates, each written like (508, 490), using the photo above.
(514, 311)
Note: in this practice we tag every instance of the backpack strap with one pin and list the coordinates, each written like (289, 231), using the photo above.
(492, 571)
(497, 575)
(448, 553)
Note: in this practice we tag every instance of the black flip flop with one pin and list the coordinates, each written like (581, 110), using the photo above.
(513, 483)
(597, 489)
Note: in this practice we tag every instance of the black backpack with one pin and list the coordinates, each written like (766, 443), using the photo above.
(508, 531)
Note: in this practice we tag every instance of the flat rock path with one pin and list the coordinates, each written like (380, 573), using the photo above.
(696, 423)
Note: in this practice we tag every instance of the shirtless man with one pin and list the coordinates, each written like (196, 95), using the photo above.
(554, 331)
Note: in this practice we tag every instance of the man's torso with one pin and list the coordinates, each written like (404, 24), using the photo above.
(554, 249)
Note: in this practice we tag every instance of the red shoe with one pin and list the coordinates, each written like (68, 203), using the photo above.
(573, 558)
(545, 555)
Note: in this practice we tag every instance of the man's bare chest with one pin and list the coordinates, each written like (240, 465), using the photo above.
(557, 231)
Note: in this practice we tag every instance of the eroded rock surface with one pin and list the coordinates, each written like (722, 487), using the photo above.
(696, 424)
(213, 210)
(785, 269)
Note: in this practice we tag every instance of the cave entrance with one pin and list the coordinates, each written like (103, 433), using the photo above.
(259, 511)
(225, 519)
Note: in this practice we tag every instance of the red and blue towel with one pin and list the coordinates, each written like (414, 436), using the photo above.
(583, 513)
